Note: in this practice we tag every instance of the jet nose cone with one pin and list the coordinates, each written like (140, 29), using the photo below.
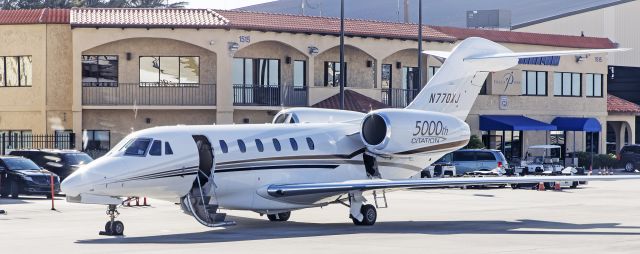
(70, 185)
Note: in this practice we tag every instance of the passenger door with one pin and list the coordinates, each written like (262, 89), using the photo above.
(486, 160)
(464, 161)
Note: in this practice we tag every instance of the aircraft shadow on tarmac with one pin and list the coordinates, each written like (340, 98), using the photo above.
(254, 229)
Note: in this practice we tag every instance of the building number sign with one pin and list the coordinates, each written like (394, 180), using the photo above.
(245, 39)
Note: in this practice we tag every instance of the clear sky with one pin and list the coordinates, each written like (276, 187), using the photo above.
(223, 4)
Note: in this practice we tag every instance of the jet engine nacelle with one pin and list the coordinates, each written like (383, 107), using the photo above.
(407, 132)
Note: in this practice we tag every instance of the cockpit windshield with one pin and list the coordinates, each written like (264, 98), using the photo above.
(136, 147)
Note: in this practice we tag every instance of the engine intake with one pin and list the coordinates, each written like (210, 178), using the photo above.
(406, 132)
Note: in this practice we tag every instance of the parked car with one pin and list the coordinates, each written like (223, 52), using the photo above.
(471, 160)
(61, 162)
(630, 157)
(22, 176)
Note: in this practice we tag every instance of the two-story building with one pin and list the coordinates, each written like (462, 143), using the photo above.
(107, 72)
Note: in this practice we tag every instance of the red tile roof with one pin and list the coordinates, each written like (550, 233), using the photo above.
(328, 25)
(139, 17)
(353, 101)
(619, 105)
(34, 16)
(528, 38)
(205, 18)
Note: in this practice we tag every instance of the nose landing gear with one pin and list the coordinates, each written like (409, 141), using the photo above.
(113, 227)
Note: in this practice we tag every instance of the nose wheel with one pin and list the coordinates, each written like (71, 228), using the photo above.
(113, 227)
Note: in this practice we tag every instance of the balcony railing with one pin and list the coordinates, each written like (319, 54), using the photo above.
(254, 95)
(152, 94)
(398, 98)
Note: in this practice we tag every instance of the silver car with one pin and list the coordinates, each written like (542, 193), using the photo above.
(469, 161)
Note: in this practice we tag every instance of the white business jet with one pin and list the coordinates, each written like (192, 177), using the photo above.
(307, 157)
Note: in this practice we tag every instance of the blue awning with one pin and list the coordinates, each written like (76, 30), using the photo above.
(577, 124)
(513, 123)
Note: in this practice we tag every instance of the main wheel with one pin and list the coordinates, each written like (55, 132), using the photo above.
(629, 167)
(369, 214)
(279, 216)
(15, 190)
(514, 186)
(116, 229)
(574, 185)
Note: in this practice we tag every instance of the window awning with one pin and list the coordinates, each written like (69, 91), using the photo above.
(577, 124)
(513, 123)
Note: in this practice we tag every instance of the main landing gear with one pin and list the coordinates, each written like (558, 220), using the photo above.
(113, 227)
(361, 214)
(279, 216)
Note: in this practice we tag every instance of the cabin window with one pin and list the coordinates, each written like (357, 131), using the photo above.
(241, 145)
(276, 145)
(156, 148)
(137, 147)
(310, 143)
(167, 149)
(223, 146)
(294, 144)
(259, 145)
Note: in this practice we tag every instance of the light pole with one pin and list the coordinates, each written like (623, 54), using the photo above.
(342, 79)
(419, 85)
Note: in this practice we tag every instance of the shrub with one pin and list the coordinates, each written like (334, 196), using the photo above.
(599, 160)
(474, 143)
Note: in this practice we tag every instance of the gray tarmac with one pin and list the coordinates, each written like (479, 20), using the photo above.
(601, 217)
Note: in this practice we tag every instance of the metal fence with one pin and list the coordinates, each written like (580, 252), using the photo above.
(154, 94)
(17, 141)
(398, 98)
(253, 95)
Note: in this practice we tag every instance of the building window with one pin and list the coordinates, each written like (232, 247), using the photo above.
(332, 74)
(386, 76)
(483, 89)
(256, 72)
(169, 70)
(594, 84)
(16, 71)
(410, 78)
(567, 84)
(508, 142)
(99, 70)
(15, 139)
(592, 141)
(534, 83)
(96, 140)
(299, 73)
(432, 71)
(558, 138)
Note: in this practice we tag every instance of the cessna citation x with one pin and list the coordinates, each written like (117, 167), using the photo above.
(307, 157)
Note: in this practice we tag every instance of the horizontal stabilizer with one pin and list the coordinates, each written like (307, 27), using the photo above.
(544, 53)
(446, 54)
(437, 53)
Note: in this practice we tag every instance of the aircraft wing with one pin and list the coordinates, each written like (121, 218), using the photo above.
(289, 190)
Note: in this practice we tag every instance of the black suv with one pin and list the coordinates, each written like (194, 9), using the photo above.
(61, 162)
(20, 175)
(630, 157)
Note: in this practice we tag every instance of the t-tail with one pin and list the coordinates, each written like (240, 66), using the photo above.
(455, 87)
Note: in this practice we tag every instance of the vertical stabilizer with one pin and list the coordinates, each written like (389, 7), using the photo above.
(455, 87)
